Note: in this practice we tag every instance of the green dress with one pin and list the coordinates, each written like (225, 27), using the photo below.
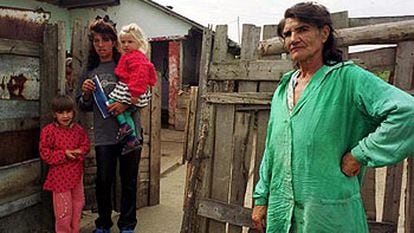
(344, 108)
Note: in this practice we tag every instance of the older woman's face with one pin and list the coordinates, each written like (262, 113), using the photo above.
(304, 41)
(103, 46)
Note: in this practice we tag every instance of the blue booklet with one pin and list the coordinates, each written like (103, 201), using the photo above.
(100, 98)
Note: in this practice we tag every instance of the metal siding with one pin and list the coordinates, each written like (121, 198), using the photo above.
(20, 78)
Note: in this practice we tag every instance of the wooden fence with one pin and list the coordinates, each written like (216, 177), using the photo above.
(32, 62)
(230, 120)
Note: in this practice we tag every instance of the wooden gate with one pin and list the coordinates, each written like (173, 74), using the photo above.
(31, 65)
(231, 121)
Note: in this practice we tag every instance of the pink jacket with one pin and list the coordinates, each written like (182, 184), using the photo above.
(136, 71)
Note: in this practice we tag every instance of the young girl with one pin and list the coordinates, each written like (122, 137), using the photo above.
(136, 74)
(63, 146)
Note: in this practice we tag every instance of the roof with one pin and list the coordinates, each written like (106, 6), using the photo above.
(70, 4)
(168, 11)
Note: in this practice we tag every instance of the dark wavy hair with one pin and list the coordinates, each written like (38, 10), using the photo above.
(106, 28)
(318, 16)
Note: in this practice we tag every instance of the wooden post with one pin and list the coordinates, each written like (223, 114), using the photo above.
(222, 140)
(48, 89)
(190, 222)
(189, 136)
(61, 55)
(409, 198)
(80, 51)
(404, 79)
(340, 20)
(155, 150)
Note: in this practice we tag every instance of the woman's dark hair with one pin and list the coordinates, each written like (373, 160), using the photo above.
(106, 28)
(318, 16)
(62, 103)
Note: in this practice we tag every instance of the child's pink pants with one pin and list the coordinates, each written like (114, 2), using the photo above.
(68, 209)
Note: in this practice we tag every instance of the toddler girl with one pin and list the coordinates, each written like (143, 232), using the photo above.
(136, 75)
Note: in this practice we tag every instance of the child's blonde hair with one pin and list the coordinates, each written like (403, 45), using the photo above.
(136, 32)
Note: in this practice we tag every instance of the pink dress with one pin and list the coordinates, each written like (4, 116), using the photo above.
(63, 174)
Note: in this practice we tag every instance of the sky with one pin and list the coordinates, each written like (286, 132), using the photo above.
(235, 13)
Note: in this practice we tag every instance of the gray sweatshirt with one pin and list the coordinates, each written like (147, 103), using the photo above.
(105, 130)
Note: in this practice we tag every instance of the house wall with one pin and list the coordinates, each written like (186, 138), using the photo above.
(57, 13)
(154, 22)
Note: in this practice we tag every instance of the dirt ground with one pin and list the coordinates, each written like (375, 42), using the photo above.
(165, 217)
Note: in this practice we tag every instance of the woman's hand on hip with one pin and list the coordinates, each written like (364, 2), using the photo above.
(259, 217)
(350, 166)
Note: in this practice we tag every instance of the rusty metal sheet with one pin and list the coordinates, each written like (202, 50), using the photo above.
(22, 24)
(19, 77)
(38, 16)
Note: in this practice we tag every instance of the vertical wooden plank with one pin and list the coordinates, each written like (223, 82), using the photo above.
(61, 56)
(404, 63)
(270, 31)
(241, 161)
(263, 116)
(48, 89)
(340, 20)
(251, 36)
(155, 144)
(404, 79)
(220, 44)
(262, 120)
(206, 156)
(223, 153)
(409, 198)
(145, 119)
(220, 48)
(392, 193)
(49, 71)
(250, 42)
(80, 50)
(368, 194)
(205, 131)
(199, 179)
(189, 140)
(222, 145)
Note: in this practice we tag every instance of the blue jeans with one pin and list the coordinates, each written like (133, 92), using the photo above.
(106, 163)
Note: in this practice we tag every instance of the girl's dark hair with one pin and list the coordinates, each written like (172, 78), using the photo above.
(62, 103)
(106, 28)
(318, 16)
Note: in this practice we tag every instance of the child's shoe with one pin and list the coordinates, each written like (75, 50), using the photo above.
(101, 230)
(124, 131)
(131, 145)
(127, 231)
